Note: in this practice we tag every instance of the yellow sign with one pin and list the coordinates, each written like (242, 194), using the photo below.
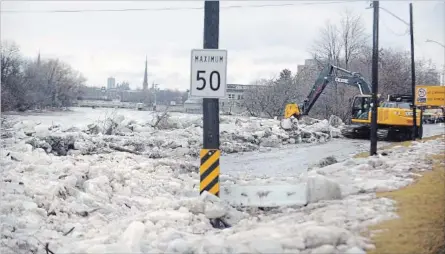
(209, 171)
(430, 96)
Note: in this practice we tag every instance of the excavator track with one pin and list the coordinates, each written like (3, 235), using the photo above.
(362, 132)
(355, 132)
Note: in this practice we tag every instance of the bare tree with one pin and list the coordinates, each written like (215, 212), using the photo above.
(11, 76)
(427, 73)
(231, 103)
(338, 45)
(30, 84)
(255, 98)
(353, 36)
(346, 45)
(268, 97)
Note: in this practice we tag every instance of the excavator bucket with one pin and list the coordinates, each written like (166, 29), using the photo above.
(291, 110)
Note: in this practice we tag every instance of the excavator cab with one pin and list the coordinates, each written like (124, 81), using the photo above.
(361, 106)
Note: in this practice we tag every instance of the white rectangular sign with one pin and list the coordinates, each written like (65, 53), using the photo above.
(265, 196)
(208, 73)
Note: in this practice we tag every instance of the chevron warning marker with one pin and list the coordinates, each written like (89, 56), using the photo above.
(209, 171)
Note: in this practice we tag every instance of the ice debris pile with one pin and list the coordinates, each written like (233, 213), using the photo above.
(166, 136)
(126, 203)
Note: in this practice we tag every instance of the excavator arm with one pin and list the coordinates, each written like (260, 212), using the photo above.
(326, 76)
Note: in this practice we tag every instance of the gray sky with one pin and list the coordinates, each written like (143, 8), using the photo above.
(260, 41)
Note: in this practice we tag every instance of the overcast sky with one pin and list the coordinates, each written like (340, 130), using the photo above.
(260, 41)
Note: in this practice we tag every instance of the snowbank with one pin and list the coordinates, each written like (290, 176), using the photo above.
(120, 202)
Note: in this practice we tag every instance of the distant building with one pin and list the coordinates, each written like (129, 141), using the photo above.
(309, 65)
(123, 86)
(92, 93)
(310, 62)
(111, 83)
(96, 93)
(232, 102)
(236, 91)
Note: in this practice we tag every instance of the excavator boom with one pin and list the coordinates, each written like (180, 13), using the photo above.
(326, 76)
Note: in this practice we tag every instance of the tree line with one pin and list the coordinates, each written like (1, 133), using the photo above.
(348, 46)
(36, 83)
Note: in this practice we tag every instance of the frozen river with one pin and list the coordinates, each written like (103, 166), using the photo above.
(284, 161)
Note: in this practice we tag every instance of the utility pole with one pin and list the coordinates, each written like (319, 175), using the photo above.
(211, 105)
(413, 70)
(208, 80)
(209, 169)
(375, 76)
(154, 87)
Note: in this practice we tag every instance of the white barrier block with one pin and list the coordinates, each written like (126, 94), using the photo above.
(265, 196)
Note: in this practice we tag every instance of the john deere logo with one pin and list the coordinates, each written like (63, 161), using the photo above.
(421, 95)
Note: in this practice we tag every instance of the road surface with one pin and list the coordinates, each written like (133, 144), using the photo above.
(292, 160)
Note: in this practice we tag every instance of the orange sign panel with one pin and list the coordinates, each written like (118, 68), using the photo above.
(430, 96)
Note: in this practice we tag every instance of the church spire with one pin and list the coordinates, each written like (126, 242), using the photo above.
(145, 83)
(38, 58)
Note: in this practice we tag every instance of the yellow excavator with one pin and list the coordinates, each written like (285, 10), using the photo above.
(394, 115)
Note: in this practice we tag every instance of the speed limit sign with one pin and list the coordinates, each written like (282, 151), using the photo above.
(422, 92)
(208, 73)
(421, 95)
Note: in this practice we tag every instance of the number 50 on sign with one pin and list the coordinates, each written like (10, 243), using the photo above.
(208, 73)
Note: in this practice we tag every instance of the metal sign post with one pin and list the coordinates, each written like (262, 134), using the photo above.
(208, 81)
(413, 71)
(375, 77)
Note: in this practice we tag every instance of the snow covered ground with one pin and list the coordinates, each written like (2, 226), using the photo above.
(100, 200)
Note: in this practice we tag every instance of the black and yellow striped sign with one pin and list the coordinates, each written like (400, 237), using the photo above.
(209, 171)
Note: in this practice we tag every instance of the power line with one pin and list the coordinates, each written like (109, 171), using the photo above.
(407, 32)
(392, 31)
(174, 8)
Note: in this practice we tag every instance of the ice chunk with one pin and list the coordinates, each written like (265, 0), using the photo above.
(324, 249)
(316, 236)
(293, 243)
(354, 250)
(119, 119)
(335, 121)
(321, 188)
(286, 124)
(99, 248)
(266, 246)
(132, 236)
(214, 210)
(179, 246)
(41, 131)
(271, 141)
(214, 207)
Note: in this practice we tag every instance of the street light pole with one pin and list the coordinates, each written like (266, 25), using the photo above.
(154, 86)
(443, 70)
